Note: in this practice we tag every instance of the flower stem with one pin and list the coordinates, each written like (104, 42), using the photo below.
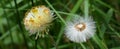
(62, 20)
(36, 44)
(86, 8)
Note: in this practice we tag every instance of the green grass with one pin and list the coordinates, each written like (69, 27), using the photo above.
(106, 14)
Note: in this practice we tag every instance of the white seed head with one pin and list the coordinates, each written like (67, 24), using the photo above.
(38, 19)
(80, 29)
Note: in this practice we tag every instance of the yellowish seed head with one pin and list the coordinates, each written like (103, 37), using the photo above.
(38, 19)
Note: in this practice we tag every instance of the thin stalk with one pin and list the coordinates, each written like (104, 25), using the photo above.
(65, 13)
(75, 8)
(83, 46)
(86, 8)
(19, 22)
(90, 44)
(56, 12)
(36, 43)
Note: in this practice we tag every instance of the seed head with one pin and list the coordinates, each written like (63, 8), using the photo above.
(37, 20)
(80, 29)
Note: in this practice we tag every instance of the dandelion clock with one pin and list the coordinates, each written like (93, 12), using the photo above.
(37, 20)
(80, 29)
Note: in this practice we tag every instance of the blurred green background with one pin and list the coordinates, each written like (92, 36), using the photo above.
(106, 14)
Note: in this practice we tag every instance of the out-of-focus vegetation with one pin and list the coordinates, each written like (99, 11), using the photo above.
(106, 14)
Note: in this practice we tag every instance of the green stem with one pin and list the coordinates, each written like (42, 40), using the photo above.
(82, 45)
(86, 8)
(56, 12)
(76, 7)
(36, 43)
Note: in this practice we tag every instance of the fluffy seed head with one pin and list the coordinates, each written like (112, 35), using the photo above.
(80, 29)
(38, 19)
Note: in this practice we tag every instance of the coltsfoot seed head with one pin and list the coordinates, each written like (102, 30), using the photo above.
(37, 20)
(80, 29)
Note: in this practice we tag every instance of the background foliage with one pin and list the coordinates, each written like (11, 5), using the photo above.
(106, 14)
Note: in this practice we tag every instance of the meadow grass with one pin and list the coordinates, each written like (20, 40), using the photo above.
(106, 15)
